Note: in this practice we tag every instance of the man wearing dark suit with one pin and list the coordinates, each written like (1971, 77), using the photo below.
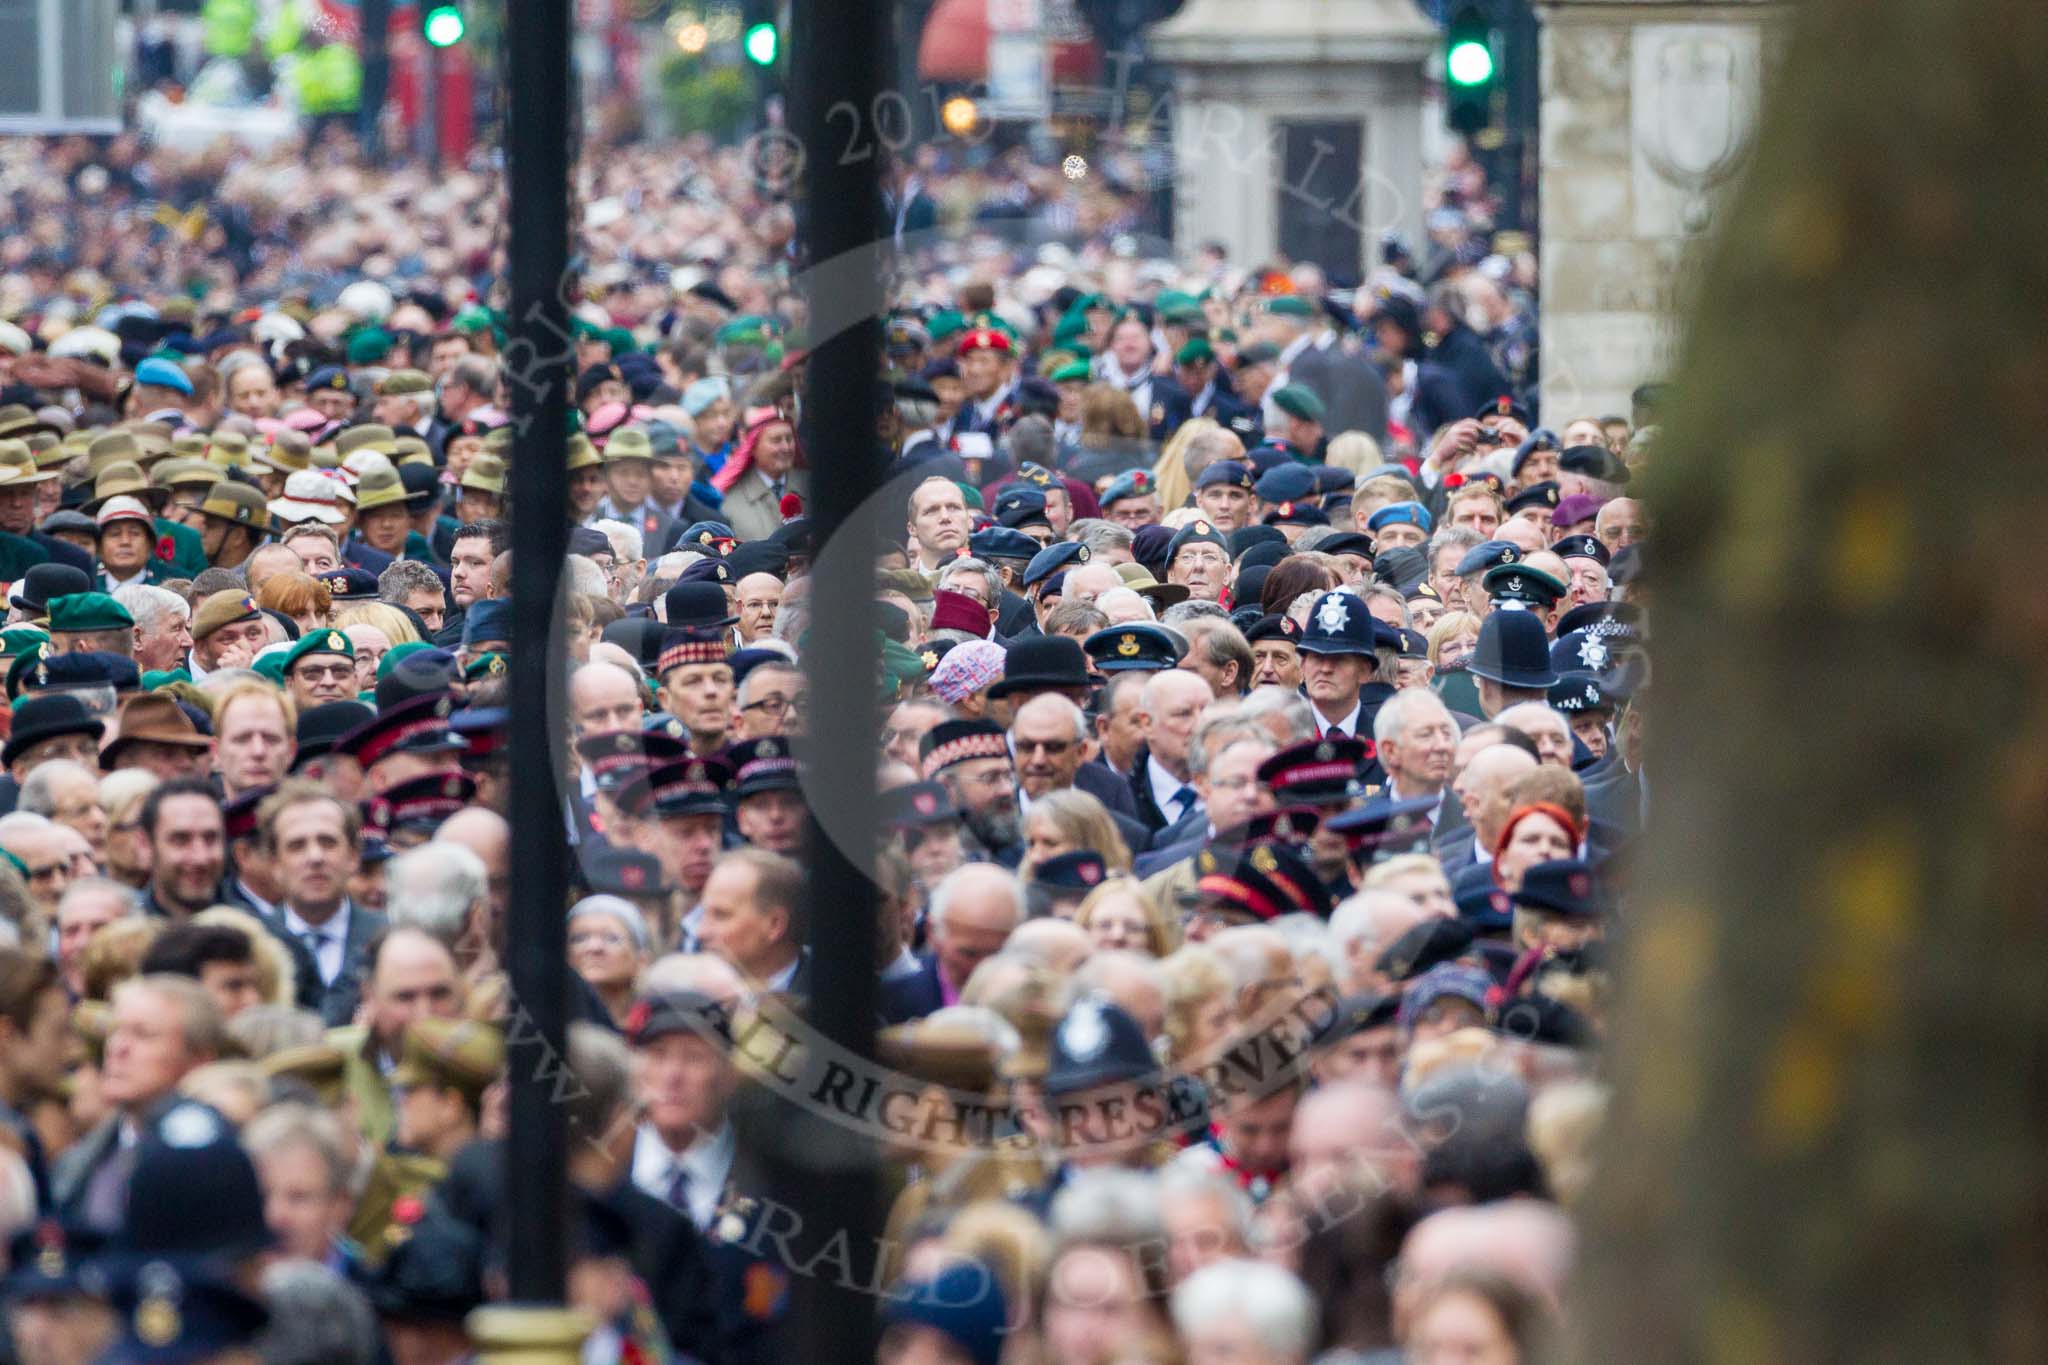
(1047, 736)
(316, 842)
(89, 1183)
(973, 911)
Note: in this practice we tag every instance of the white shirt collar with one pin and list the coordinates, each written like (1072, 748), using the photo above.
(1348, 725)
(708, 1161)
(1164, 787)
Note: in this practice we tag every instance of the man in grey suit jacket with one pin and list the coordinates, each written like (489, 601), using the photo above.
(316, 842)
(163, 1028)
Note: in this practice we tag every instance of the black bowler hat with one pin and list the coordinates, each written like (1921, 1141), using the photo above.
(639, 636)
(1513, 651)
(320, 726)
(697, 605)
(48, 715)
(45, 581)
(1563, 886)
(1040, 662)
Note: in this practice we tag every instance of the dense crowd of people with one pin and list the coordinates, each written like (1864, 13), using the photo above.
(1261, 700)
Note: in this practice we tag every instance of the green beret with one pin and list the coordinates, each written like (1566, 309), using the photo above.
(746, 330)
(163, 677)
(271, 666)
(1190, 316)
(1297, 401)
(21, 640)
(946, 322)
(88, 611)
(327, 641)
(1175, 301)
(397, 655)
(369, 346)
(620, 340)
(1074, 372)
(899, 664)
(1291, 306)
(970, 495)
(486, 665)
(1194, 350)
(1069, 330)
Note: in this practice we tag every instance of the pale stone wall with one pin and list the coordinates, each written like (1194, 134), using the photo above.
(1649, 107)
(1243, 70)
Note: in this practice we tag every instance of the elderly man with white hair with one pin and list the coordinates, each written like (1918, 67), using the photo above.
(163, 625)
(1365, 925)
(1242, 1312)
(973, 912)
(442, 890)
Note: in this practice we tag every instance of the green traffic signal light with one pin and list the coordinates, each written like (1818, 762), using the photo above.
(761, 44)
(1469, 62)
(444, 26)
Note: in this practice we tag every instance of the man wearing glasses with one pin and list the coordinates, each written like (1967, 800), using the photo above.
(321, 668)
(773, 699)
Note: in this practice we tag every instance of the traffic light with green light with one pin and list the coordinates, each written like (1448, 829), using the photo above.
(443, 25)
(761, 43)
(1471, 70)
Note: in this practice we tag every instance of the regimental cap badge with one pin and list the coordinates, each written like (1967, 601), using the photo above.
(157, 1320)
(1264, 861)
(1511, 555)
(924, 803)
(1127, 645)
(1203, 528)
(189, 1125)
(1083, 1034)
(1514, 584)
(930, 660)
(1325, 752)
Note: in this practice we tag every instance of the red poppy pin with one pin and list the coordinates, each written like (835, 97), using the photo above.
(166, 549)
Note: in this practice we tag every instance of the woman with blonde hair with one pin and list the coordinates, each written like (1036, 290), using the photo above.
(397, 628)
(1171, 477)
(1118, 914)
(1200, 1000)
(1353, 450)
(1452, 640)
(121, 797)
(1069, 820)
